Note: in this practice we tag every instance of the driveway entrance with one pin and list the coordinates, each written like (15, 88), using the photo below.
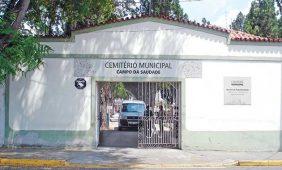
(139, 114)
(114, 138)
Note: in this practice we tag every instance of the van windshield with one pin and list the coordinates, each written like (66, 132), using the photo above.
(133, 107)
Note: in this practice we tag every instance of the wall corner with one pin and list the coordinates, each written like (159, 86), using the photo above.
(2, 114)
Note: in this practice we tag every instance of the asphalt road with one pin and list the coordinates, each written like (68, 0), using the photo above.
(200, 168)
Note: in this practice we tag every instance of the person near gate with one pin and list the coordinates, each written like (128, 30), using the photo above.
(161, 115)
(148, 111)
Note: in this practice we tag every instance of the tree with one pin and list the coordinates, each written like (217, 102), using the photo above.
(106, 99)
(126, 8)
(20, 50)
(119, 91)
(169, 8)
(185, 16)
(261, 19)
(22, 20)
(18, 53)
(279, 5)
(280, 26)
(238, 23)
(205, 21)
(59, 17)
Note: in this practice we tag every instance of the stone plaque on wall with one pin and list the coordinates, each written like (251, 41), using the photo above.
(83, 68)
(137, 68)
(237, 90)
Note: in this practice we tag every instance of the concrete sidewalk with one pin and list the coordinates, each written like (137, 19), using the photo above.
(131, 157)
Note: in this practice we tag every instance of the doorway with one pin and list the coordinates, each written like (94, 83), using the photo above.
(139, 114)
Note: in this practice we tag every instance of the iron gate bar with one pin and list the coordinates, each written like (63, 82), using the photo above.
(160, 130)
(151, 136)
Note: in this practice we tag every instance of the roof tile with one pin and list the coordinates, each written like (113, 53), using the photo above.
(233, 34)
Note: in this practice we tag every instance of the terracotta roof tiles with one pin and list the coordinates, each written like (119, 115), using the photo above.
(242, 36)
(233, 34)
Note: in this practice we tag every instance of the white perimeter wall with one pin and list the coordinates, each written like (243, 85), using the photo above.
(153, 38)
(205, 109)
(2, 114)
(47, 99)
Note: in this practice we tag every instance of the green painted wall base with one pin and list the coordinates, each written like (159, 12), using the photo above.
(50, 138)
(233, 141)
(191, 140)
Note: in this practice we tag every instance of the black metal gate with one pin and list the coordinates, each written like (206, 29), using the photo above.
(159, 127)
(158, 132)
(158, 123)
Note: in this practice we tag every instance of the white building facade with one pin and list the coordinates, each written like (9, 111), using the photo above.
(231, 85)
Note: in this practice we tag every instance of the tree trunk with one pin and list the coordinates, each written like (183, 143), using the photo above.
(68, 29)
(20, 9)
(21, 14)
(105, 96)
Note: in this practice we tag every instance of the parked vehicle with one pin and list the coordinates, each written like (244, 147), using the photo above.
(131, 111)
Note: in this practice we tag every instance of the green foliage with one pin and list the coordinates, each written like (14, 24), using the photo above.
(18, 54)
(279, 5)
(51, 17)
(205, 21)
(280, 26)
(238, 23)
(170, 8)
(120, 91)
(261, 19)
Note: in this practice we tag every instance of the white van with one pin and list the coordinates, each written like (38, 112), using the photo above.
(130, 113)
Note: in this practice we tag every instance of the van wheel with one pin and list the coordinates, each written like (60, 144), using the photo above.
(120, 128)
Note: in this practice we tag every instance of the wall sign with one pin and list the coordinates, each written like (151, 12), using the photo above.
(137, 68)
(237, 90)
(80, 83)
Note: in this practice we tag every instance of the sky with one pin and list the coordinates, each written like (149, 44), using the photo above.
(218, 12)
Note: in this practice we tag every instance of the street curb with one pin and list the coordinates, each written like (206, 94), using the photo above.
(32, 162)
(260, 163)
(65, 164)
(150, 166)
